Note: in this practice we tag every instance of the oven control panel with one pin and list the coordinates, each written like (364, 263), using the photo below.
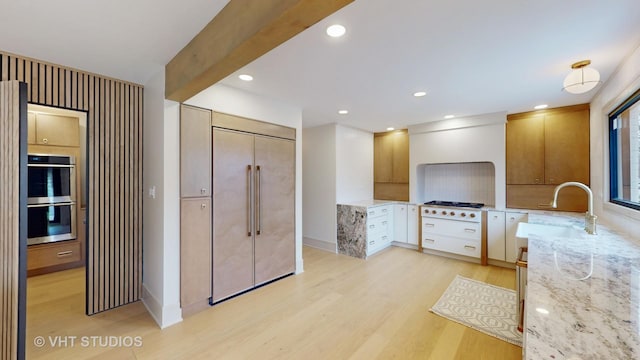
(441, 212)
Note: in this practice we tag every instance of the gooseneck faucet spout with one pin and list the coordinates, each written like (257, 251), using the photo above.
(589, 218)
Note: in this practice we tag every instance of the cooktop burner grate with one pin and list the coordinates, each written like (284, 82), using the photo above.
(455, 204)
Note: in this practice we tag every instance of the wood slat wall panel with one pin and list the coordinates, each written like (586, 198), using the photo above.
(114, 119)
(9, 216)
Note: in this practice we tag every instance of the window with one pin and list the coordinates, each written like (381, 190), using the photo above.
(624, 151)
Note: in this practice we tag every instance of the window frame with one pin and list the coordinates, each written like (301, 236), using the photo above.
(613, 151)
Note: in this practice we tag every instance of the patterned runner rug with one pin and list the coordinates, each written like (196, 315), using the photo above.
(481, 306)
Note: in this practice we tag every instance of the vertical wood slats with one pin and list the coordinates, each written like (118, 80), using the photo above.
(9, 217)
(114, 119)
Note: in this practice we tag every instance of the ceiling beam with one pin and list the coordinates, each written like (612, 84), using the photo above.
(243, 31)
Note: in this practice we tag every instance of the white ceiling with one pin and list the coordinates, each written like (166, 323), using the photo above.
(472, 57)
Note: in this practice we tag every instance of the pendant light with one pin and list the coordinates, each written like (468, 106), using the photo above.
(582, 78)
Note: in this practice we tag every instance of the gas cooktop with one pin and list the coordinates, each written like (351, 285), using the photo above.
(455, 204)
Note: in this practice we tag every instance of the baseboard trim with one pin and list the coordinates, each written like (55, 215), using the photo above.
(320, 244)
(501, 263)
(404, 245)
(163, 316)
(451, 255)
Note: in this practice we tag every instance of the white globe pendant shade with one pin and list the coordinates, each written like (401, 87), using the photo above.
(581, 79)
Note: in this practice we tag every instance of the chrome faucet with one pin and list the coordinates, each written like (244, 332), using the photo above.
(589, 218)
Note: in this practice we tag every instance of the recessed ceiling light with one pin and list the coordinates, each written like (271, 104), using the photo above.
(343, 112)
(449, 116)
(541, 106)
(390, 129)
(420, 93)
(336, 30)
(245, 77)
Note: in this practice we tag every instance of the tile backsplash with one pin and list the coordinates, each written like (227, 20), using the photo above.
(469, 181)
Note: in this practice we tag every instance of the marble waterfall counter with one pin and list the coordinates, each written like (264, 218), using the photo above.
(364, 227)
(583, 293)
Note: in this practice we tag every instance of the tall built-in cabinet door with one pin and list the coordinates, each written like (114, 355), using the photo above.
(274, 208)
(195, 152)
(496, 235)
(511, 243)
(526, 149)
(195, 252)
(412, 224)
(233, 173)
(399, 223)
(567, 147)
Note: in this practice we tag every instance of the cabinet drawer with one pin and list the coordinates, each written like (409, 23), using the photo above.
(378, 211)
(460, 229)
(452, 245)
(377, 225)
(40, 256)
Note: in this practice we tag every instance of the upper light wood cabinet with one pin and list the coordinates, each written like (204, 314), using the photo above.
(544, 149)
(525, 150)
(195, 152)
(391, 165)
(55, 130)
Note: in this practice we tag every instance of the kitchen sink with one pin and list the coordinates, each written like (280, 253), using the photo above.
(526, 229)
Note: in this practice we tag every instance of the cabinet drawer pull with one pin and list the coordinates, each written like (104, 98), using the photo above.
(65, 253)
(430, 240)
(384, 210)
(204, 206)
(372, 242)
(470, 230)
(371, 213)
(429, 225)
(384, 237)
(384, 223)
(203, 191)
(469, 247)
(45, 140)
(372, 226)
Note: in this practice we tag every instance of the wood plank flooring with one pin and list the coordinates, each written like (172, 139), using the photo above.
(339, 308)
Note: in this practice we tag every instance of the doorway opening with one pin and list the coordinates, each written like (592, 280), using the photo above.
(57, 206)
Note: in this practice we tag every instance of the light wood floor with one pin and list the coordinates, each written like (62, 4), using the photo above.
(339, 308)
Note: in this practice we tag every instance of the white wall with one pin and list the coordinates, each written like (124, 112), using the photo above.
(160, 282)
(232, 101)
(319, 186)
(619, 87)
(354, 164)
(473, 139)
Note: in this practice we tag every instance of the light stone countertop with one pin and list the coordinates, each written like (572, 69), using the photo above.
(583, 293)
(370, 203)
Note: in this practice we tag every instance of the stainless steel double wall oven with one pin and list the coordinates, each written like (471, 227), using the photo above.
(52, 198)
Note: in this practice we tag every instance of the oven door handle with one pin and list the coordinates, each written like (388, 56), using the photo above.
(50, 204)
(51, 165)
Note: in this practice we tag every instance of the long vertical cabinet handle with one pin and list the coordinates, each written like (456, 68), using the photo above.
(248, 200)
(259, 200)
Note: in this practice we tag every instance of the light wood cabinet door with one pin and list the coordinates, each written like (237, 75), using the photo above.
(233, 206)
(57, 130)
(195, 252)
(382, 158)
(567, 147)
(274, 208)
(31, 128)
(400, 143)
(526, 150)
(195, 152)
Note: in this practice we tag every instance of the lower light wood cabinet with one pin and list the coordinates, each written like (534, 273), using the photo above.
(195, 254)
(61, 255)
